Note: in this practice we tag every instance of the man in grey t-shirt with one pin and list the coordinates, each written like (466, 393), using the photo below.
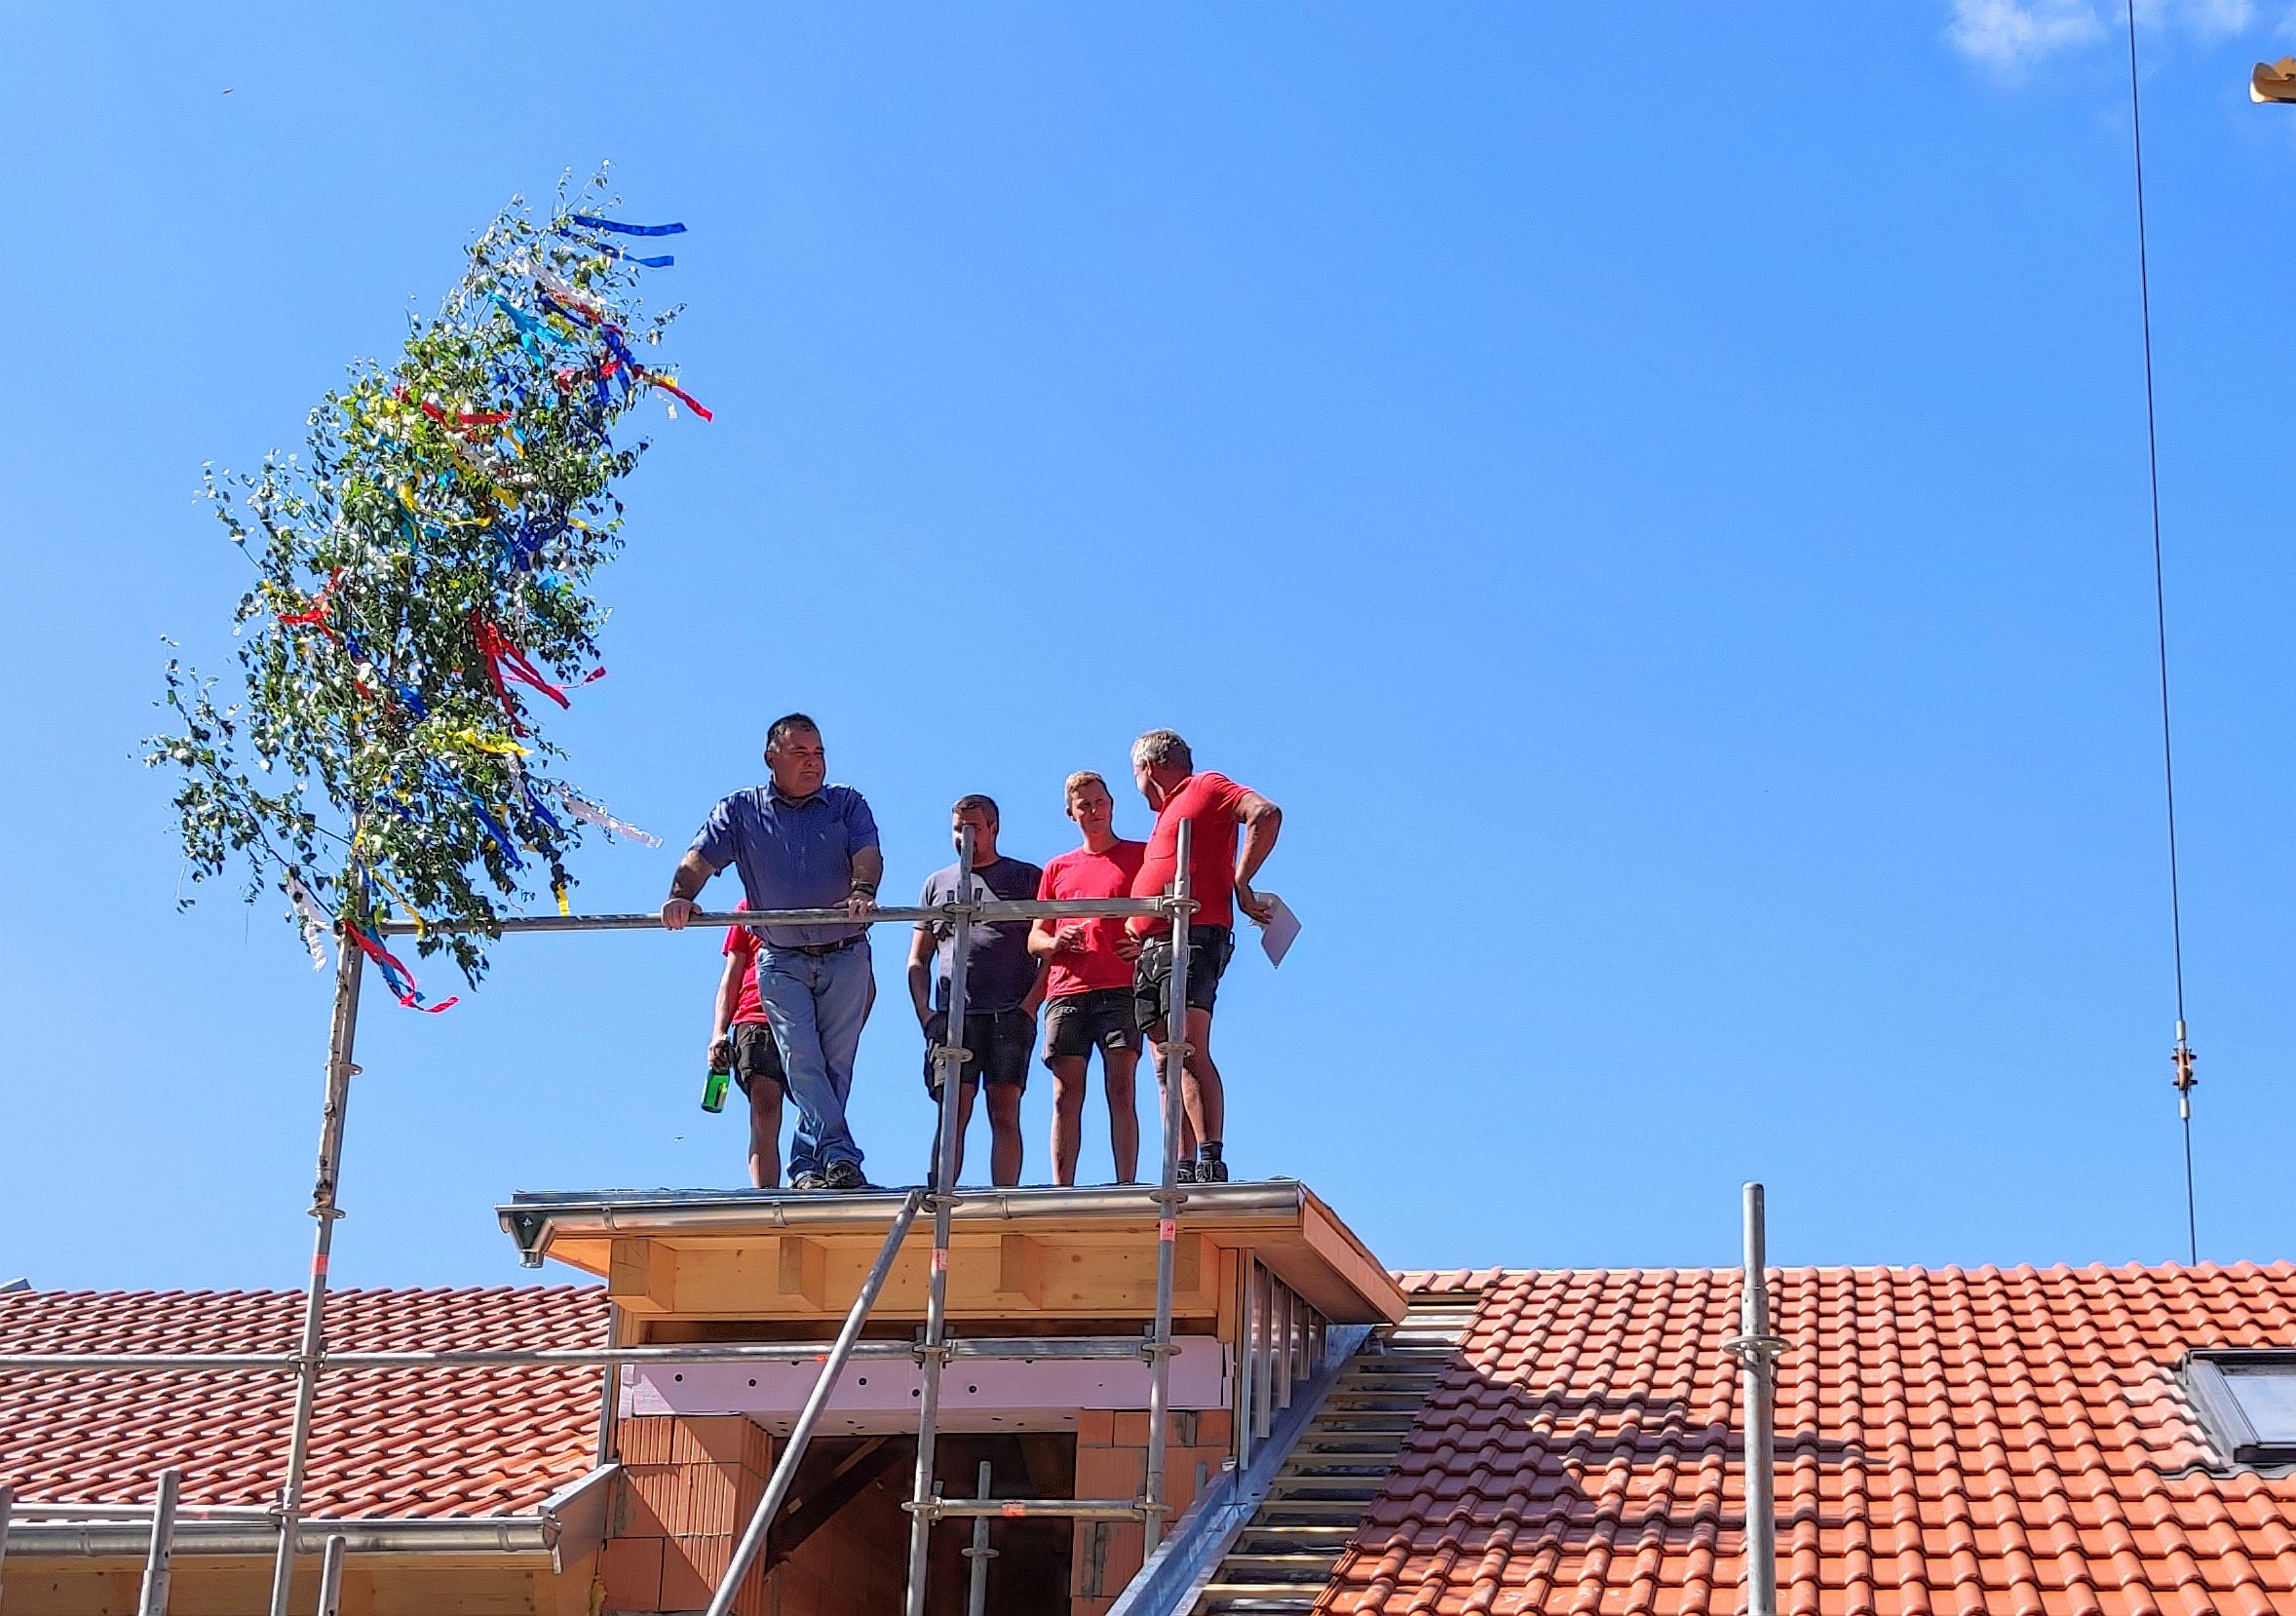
(1003, 988)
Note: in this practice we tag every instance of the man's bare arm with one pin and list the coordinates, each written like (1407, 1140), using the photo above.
(729, 996)
(1044, 939)
(693, 875)
(869, 870)
(1263, 823)
(921, 974)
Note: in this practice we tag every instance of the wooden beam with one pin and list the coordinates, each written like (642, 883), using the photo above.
(1020, 1269)
(643, 1276)
(805, 1270)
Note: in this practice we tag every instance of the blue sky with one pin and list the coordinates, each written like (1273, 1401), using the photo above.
(1658, 497)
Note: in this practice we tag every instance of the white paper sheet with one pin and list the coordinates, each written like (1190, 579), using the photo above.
(1281, 931)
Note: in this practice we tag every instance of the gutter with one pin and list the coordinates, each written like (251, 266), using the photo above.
(534, 1220)
(566, 1526)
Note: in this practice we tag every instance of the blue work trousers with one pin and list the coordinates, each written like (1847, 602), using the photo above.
(816, 1004)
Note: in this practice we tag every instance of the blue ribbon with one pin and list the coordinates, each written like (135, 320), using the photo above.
(593, 223)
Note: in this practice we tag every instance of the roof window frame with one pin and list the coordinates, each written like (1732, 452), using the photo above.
(2228, 1428)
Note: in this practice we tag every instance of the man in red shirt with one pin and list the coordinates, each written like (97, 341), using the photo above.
(1220, 867)
(1089, 983)
(743, 1039)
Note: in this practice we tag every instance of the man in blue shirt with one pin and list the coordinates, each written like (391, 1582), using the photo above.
(800, 844)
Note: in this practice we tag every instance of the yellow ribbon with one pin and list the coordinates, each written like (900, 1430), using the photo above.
(421, 927)
(564, 907)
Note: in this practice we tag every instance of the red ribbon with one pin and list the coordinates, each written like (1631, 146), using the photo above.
(502, 655)
(670, 387)
(395, 974)
(315, 614)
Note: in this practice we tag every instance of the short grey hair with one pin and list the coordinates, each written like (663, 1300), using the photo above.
(1159, 747)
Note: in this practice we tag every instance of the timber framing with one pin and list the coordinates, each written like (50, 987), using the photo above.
(1056, 1256)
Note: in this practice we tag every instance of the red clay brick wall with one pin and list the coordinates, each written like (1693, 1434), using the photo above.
(688, 1487)
(1112, 1462)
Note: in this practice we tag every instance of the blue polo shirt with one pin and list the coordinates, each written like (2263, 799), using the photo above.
(792, 854)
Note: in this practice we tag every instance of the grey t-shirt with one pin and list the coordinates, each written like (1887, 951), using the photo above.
(999, 970)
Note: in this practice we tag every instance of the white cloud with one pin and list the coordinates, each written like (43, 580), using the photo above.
(2009, 34)
(2012, 34)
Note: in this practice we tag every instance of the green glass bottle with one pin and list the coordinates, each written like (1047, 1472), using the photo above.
(714, 1089)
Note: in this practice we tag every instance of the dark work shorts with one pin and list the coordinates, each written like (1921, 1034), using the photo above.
(1210, 949)
(755, 1055)
(1101, 1015)
(999, 1042)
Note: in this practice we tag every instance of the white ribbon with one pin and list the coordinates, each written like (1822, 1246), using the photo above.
(313, 918)
(589, 813)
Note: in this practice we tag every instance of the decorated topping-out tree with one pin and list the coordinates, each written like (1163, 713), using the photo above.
(424, 599)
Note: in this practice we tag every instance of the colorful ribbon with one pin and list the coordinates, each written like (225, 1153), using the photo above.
(592, 221)
(312, 919)
(396, 976)
(589, 813)
(500, 655)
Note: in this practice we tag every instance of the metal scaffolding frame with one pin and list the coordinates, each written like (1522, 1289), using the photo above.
(310, 1362)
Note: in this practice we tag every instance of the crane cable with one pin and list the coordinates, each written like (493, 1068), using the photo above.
(2182, 1057)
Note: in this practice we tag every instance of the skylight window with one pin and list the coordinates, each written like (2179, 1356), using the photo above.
(2248, 1399)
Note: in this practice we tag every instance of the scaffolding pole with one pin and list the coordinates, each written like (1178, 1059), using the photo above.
(979, 1554)
(339, 1070)
(7, 1508)
(159, 1564)
(1756, 1351)
(949, 1055)
(1169, 1195)
(330, 1576)
(776, 1487)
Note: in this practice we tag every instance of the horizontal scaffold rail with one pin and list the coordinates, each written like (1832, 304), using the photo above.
(981, 913)
(1074, 1509)
(1024, 1347)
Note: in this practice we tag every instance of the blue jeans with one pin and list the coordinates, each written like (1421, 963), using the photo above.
(816, 1004)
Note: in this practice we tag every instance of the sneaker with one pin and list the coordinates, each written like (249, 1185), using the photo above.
(1186, 1174)
(807, 1180)
(845, 1175)
(1211, 1170)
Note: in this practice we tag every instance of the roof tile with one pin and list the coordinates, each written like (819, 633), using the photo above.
(1955, 1441)
(384, 1442)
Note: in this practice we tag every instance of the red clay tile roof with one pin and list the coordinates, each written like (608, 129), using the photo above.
(1948, 1441)
(385, 1443)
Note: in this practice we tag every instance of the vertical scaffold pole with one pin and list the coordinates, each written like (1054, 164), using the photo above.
(159, 1564)
(339, 1071)
(330, 1577)
(981, 1554)
(949, 1055)
(1168, 1196)
(7, 1505)
(1756, 1351)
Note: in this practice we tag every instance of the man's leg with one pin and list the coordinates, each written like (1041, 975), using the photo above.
(1010, 1035)
(1117, 1066)
(1068, 1115)
(1203, 1095)
(785, 987)
(765, 1133)
(1004, 1134)
(965, 1091)
(841, 997)
(1187, 1116)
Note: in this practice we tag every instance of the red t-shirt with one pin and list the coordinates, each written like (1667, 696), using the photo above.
(1208, 801)
(1083, 873)
(741, 940)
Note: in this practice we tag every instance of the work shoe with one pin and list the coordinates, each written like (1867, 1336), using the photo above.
(845, 1175)
(807, 1180)
(1185, 1173)
(1211, 1170)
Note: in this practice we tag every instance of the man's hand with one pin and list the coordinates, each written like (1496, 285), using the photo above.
(1260, 907)
(935, 1026)
(1127, 947)
(676, 912)
(860, 902)
(721, 1053)
(1069, 938)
